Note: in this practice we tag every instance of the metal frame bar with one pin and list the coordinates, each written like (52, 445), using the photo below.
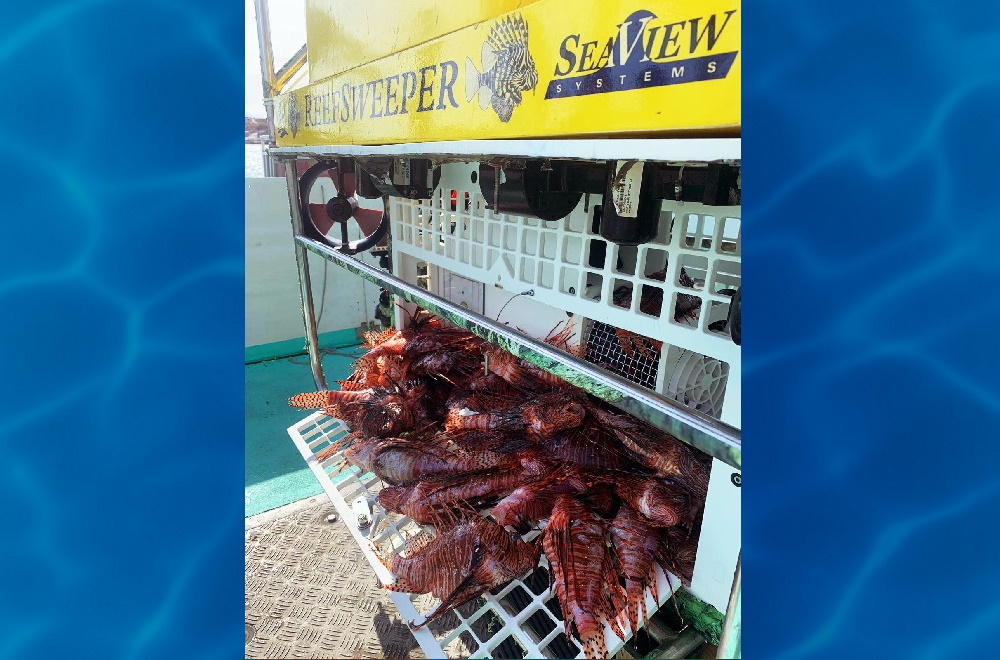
(709, 435)
(266, 73)
(305, 281)
(271, 81)
(674, 150)
(731, 641)
(289, 69)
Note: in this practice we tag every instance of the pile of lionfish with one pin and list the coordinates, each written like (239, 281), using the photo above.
(457, 428)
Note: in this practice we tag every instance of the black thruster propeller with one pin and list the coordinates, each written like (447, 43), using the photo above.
(321, 220)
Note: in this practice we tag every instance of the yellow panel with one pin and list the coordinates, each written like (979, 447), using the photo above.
(342, 34)
(548, 69)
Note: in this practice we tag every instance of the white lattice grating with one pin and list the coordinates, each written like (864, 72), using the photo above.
(572, 268)
(519, 620)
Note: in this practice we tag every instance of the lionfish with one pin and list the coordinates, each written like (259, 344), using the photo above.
(468, 555)
(507, 66)
(583, 574)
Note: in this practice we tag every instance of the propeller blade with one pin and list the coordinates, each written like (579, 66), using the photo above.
(324, 188)
(368, 219)
(320, 220)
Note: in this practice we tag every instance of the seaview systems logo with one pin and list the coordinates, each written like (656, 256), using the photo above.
(642, 54)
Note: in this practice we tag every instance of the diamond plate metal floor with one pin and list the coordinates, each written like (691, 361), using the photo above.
(311, 594)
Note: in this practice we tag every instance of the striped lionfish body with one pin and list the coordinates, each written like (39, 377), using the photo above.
(508, 68)
(467, 557)
(638, 545)
(583, 574)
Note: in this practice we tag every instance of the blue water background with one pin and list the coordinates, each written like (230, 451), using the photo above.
(870, 399)
(121, 299)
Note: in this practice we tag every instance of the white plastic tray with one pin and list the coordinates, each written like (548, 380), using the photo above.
(517, 253)
(519, 620)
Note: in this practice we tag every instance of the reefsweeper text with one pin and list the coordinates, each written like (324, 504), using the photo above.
(428, 88)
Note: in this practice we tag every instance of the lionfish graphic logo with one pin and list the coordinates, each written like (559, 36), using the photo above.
(293, 115)
(507, 67)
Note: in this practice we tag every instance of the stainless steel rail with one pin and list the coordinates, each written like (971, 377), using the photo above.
(305, 281)
(731, 641)
(680, 150)
(709, 435)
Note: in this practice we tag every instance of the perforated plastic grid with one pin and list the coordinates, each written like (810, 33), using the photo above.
(519, 620)
(570, 259)
(675, 288)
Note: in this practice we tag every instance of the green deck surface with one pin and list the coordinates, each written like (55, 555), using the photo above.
(275, 473)
(293, 347)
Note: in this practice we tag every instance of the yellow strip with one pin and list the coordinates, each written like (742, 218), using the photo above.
(546, 70)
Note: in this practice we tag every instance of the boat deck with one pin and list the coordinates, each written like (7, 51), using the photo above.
(309, 591)
(311, 594)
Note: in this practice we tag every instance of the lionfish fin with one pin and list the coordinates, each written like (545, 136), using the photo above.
(468, 588)
(471, 79)
(380, 554)
(404, 586)
(332, 411)
(351, 385)
(485, 97)
(489, 56)
(334, 448)
(311, 399)
(416, 543)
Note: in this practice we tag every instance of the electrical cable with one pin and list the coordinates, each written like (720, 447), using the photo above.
(328, 351)
(529, 292)
(326, 264)
(322, 295)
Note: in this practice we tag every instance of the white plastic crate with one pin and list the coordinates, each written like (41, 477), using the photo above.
(516, 620)
(552, 259)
